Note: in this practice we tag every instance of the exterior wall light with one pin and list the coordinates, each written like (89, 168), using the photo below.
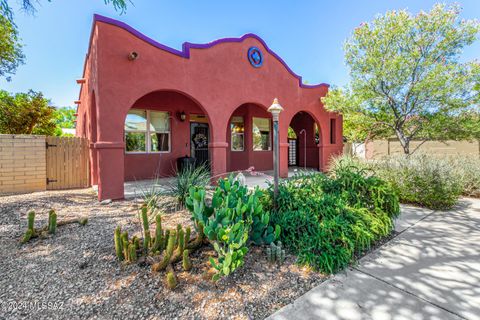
(182, 116)
(133, 56)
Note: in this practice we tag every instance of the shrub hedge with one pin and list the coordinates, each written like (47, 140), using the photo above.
(326, 221)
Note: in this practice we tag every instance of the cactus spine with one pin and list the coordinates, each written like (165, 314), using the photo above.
(118, 243)
(186, 263)
(146, 228)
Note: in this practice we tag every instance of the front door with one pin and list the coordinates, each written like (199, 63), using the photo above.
(199, 137)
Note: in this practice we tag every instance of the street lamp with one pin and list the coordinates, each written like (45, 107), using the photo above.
(275, 110)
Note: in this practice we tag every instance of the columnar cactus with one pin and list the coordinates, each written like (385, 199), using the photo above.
(146, 228)
(158, 243)
(275, 253)
(180, 240)
(31, 221)
(52, 222)
(132, 253)
(186, 263)
(199, 239)
(187, 236)
(171, 280)
(167, 254)
(27, 236)
(118, 243)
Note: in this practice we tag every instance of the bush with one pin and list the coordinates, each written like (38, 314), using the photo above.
(467, 168)
(326, 221)
(420, 179)
(190, 176)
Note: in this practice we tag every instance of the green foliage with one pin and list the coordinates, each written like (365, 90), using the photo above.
(467, 169)
(234, 217)
(26, 113)
(11, 55)
(428, 181)
(65, 117)
(325, 220)
(190, 176)
(406, 77)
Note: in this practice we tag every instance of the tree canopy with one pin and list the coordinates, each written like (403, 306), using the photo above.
(407, 79)
(11, 55)
(30, 6)
(65, 117)
(26, 113)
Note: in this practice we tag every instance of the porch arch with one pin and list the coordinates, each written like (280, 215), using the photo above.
(249, 135)
(183, 111)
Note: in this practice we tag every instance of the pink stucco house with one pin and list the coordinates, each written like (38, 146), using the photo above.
(143, 105)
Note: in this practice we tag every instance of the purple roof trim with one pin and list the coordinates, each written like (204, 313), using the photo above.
(185, 53)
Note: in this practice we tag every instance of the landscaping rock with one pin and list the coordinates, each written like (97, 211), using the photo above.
(75, 274)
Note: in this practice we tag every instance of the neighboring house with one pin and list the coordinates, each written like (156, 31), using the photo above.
(142, 105)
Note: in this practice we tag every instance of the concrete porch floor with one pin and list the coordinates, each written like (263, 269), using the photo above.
(135, 189)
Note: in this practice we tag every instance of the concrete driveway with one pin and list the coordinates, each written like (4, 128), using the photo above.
(431, 270)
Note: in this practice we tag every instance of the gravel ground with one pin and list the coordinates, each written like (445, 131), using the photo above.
(75, 274)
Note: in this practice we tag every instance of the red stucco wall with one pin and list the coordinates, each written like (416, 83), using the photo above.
(216, 78)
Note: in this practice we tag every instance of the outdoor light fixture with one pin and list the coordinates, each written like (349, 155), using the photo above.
(132, 56)
(182, 116)
(275, 110)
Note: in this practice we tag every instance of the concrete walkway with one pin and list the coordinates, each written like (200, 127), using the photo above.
(431, 270)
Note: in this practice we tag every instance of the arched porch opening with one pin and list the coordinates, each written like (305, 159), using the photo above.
(249, 138)
(304, 142)
(161, 127)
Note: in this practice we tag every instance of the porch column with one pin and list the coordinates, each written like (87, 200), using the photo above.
(110, 164)
(218, 154)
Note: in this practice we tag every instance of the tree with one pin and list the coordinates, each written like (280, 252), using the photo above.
(26, 113)
(406, 77)
(65, 117)
(30, 6)
(11, 55)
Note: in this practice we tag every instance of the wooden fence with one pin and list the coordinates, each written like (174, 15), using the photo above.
(36, 163)
(67, 163)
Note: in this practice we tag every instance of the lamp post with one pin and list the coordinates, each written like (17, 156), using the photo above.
(275, 110)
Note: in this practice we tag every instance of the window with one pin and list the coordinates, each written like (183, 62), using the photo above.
(332, 131)
(237, 130)
(261, 134)
(147, 131)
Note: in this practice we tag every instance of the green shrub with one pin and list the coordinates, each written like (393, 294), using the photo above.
(190, 176)
(467, 168)
(326, 221)
(420, 179)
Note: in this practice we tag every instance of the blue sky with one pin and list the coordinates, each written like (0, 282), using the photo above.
(308, 35)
